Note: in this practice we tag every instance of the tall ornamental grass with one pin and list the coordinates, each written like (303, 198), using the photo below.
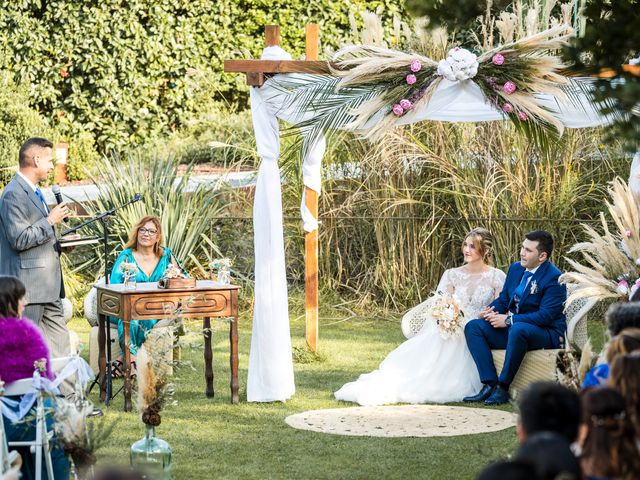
(394, 213)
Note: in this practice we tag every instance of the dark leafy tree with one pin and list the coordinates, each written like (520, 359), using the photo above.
(610, 39)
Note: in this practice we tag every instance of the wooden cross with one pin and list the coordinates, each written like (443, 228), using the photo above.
(256, 71)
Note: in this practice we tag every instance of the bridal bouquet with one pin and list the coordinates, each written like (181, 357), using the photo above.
(447, 314)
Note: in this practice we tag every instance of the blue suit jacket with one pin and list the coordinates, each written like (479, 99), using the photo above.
(544, 306)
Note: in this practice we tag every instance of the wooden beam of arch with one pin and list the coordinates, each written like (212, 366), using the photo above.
(272, 67)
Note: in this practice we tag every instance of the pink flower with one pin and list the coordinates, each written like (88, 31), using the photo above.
(623, 287)
(628, 233)
(406, 104)
(415, 66)
(497, 59)
(397, 110)
(507, 108)
(509, 88)
(411, 79)
(523, 116)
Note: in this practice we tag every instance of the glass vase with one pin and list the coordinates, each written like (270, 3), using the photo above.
(152, 455)
(224, 276)
(129, 281)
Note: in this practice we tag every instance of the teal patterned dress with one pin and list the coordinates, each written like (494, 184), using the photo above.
(137, 328)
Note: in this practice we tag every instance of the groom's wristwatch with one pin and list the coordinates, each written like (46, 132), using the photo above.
(509, 320)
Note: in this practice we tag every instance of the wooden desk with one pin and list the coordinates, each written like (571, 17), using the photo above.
(148, 302)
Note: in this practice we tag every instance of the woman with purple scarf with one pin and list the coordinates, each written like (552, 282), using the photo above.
(21, 345)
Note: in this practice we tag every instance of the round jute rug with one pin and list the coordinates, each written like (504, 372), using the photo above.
(403, 421)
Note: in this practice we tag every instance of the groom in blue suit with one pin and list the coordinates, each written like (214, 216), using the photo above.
(528, 315)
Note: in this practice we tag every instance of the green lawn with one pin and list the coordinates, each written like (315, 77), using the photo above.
(213, 439)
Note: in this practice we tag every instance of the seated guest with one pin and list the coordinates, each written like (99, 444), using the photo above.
(21, 344)
(619, 316)
(607, 440)
(145, 251)
(622, 315)
(551, 456)
(627, 341)
(625, 378)
(548, 407)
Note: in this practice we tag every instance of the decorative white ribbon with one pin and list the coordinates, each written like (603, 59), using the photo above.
(270, 376)
(75, 365)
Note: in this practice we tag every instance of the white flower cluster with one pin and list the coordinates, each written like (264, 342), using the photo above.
(460, 65)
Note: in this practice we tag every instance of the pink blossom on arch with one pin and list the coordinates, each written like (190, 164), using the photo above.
(415, 66)
(406, 104)
(497, 59)
(507, 108)
(397, 110)
(411, 79)
(509, 88)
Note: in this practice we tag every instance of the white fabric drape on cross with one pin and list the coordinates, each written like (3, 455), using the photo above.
(270, 361)
(270, 375)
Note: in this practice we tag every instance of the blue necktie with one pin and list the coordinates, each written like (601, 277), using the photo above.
(517, 295)
(41, 197)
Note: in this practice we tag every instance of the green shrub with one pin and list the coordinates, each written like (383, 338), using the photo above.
(217, 136)
(120, 70)
(18, 121)
(83, 157)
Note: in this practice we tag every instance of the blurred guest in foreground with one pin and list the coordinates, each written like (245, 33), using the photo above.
(607, 440)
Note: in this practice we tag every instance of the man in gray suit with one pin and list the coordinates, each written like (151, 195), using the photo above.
(29, 249)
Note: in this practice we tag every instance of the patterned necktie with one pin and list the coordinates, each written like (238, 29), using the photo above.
(523, 285)
(41, 197)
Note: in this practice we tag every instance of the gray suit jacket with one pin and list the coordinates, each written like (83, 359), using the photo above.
(28, 246)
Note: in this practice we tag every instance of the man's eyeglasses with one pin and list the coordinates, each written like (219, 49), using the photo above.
(147, 231)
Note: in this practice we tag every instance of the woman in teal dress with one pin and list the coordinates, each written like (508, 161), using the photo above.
(144, 250)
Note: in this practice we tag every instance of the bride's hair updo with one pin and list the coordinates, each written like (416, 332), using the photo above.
(483, 243)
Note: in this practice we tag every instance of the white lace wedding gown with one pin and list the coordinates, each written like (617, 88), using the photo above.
(428, 367)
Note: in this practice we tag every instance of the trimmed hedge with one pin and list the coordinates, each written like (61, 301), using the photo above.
(17, 122)
(120, 70)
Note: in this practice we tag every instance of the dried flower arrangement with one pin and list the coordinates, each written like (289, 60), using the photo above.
(155, 390)
(80, 435)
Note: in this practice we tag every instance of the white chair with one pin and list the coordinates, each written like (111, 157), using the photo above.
(10, 461)
(91, 313)
(40, 445)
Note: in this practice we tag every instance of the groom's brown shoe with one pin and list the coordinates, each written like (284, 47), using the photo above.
(481, 396)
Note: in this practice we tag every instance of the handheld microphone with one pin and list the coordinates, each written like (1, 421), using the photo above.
(136, 197)
(55, 189)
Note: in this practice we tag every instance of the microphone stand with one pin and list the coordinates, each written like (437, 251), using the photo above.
(104, 219)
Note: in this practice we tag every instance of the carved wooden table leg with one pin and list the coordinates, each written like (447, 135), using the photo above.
(102, 360)
(127, 367)
(208, 357)
(233, 358)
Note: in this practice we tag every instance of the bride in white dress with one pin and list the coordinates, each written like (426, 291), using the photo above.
(429, 367)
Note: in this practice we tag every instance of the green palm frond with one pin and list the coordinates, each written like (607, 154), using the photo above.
(323, 110)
